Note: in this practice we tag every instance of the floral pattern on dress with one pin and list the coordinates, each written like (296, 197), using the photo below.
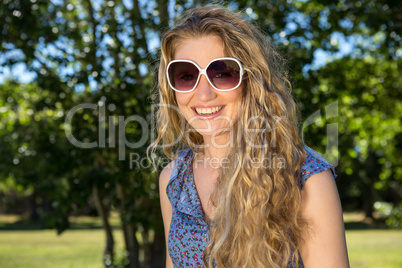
(188, 232)
(313, 164)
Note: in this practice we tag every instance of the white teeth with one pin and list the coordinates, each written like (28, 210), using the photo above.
(207, 111)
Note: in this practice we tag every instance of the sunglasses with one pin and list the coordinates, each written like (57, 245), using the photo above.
(223, 74)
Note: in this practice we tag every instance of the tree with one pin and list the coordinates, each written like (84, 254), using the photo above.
(91, 66)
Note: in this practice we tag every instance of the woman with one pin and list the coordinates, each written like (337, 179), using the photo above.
(236, 194)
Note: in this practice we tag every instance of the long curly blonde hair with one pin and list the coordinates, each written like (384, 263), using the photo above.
(256, 220)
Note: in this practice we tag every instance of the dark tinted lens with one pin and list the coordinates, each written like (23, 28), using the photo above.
(224, 74)
(183, 75)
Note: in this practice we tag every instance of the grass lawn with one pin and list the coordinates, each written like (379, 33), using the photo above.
(374, 248)
(26, 245)
(45, 249)
(370, 245)
(82, 248)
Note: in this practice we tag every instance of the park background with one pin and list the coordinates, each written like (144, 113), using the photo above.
(69, 204)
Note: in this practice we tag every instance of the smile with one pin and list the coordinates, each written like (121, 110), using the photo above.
(208, 111)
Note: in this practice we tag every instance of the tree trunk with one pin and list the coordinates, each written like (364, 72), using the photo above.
(368, 202)
(158, 250)
(33, 213)
(147, 249)
(129, 231)
(103, 211)
(163, 15)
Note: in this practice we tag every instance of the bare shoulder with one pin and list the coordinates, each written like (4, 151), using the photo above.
(319, 185)
(165, 174)
(165, 204)
(320, 179)
(319, 194)
(323, 241)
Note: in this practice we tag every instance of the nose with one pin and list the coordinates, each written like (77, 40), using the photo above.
(204, 91)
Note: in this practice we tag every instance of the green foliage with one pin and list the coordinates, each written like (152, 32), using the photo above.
(81, 53)
(392, 214)
(121, 260)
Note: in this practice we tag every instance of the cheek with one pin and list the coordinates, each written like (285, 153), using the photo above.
(182, 100)
(235, 97)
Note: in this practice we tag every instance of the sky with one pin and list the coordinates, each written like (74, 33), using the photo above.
(20, 72)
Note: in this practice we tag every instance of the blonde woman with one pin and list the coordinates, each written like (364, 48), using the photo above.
(242, 190)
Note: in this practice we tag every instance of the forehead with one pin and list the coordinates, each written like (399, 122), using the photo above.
(200, 49)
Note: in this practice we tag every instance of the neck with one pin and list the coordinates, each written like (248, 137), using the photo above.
(216, 147)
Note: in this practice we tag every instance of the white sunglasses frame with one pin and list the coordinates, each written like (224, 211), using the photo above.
(204, 72)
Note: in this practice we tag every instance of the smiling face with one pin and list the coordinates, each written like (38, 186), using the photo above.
(207, 110)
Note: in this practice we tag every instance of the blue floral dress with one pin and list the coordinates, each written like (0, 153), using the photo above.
(188, 232)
